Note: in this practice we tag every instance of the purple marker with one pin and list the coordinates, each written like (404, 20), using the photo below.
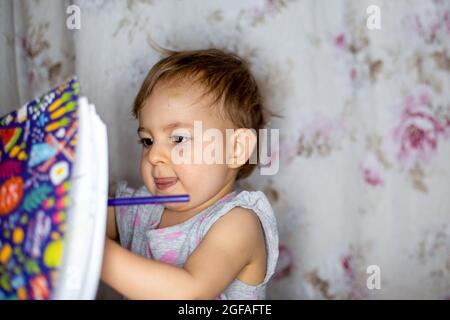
(147, 200)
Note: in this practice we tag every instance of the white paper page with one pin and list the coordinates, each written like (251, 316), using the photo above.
(99, 207)
(79, 275)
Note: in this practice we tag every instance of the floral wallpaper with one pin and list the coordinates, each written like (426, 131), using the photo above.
(364, 147)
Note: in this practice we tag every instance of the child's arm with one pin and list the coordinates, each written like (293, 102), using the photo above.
(111, 227)
(226, 249)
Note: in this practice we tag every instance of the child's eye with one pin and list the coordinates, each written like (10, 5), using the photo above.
(180, 139)
(146, 142)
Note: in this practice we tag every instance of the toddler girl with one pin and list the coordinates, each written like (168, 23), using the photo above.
(223, 243)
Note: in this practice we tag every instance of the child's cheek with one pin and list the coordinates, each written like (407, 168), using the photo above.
(146, 175)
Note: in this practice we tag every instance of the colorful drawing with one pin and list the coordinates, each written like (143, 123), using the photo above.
(37, 152)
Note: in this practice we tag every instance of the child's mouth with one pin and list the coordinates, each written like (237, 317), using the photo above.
(164, 183)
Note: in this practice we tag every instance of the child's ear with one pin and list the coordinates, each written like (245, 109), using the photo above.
(241, 146)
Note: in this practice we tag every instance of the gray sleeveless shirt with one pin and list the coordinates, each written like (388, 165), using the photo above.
(138, 232)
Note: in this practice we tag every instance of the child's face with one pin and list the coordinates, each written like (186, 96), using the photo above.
(180, 106)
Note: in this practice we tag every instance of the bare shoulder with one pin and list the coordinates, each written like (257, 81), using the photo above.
(241, 228)
(242, 219)
(231, 248)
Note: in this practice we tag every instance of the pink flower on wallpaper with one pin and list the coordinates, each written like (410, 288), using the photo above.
(447, 21)
(417, 135)
(285, 263)
(353, 74)
(328, 128)
(372, 170)
(429, 24)
(288, 149)
(340, 41)
(425, 31)
(268, 8)
(348, 264)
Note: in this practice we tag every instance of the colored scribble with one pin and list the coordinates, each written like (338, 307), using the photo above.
(37, 151)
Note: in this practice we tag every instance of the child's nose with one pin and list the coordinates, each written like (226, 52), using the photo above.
(158, 154)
